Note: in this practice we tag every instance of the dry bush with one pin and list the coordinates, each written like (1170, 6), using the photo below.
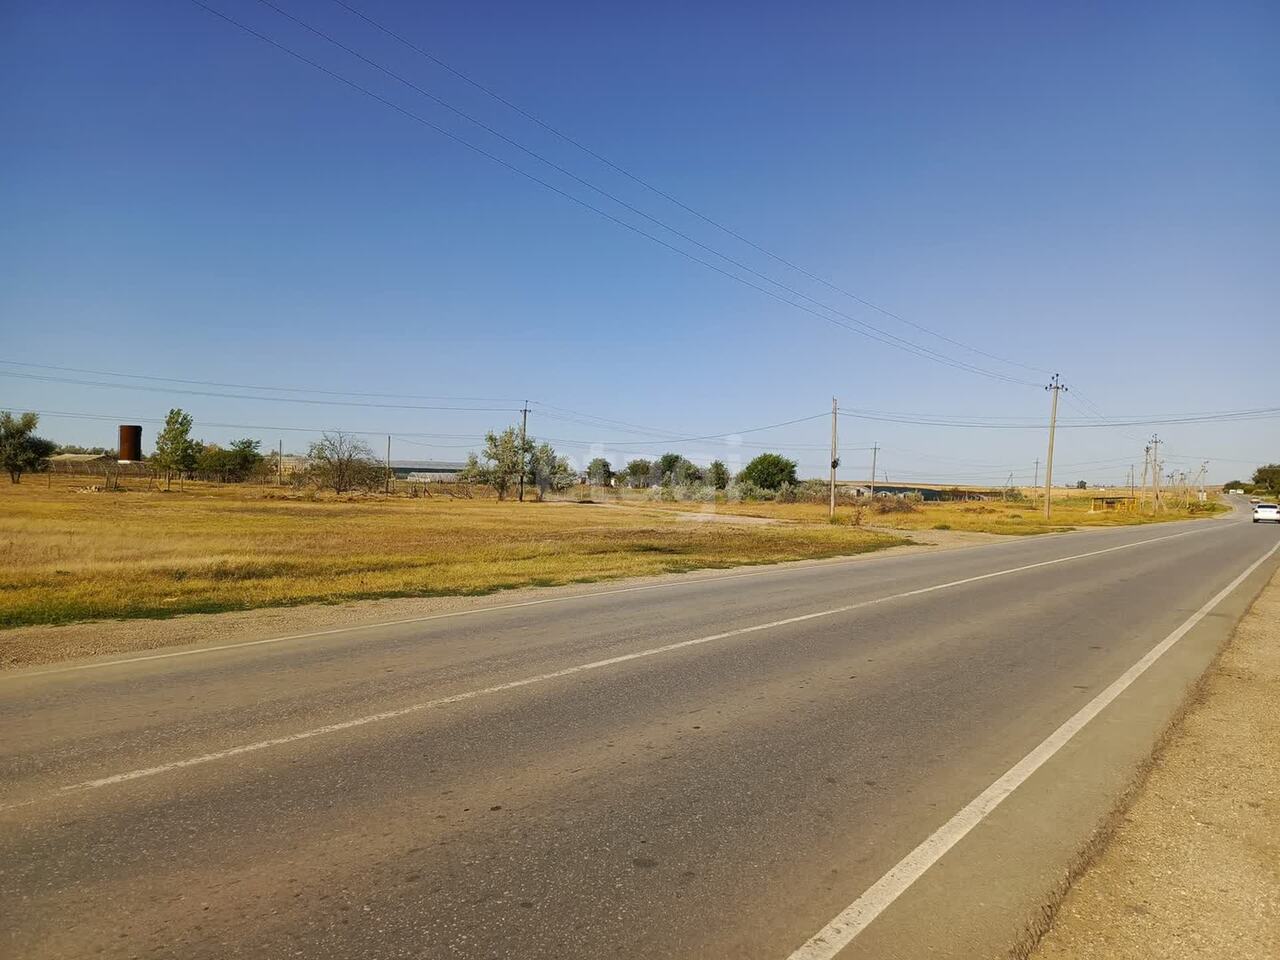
(895, 505)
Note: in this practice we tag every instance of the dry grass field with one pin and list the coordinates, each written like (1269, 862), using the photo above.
(991, 516)
(68, 555)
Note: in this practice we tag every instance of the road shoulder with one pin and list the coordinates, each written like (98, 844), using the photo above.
(1193, 866)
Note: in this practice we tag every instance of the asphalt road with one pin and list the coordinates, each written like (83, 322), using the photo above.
(693, 769)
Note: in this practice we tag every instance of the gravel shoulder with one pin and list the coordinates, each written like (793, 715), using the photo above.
(1193, 868)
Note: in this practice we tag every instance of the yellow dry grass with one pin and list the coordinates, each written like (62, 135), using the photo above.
(991, 516)
(67, 555)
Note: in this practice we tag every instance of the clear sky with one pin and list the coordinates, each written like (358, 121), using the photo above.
(1090, 188)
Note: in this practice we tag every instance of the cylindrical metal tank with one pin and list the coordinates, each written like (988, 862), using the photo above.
(130, 442)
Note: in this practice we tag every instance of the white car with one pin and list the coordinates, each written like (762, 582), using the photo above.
(1266, 511)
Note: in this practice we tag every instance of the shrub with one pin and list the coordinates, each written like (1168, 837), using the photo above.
(896, 505)
(746, 490)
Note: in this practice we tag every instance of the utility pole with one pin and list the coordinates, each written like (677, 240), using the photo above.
(1155, 472)
(1055, 387)
(1036, 481)
(524, 425)
(835, 458)
(875, 449)
(388, 463)
(279, 463)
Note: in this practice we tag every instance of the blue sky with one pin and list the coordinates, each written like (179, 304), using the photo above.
(1088, 188)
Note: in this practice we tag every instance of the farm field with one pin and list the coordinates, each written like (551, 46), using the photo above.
(67, 555)
(992, 516)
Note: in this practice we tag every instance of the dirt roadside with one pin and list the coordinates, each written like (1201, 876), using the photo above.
(35, 646)
(1193, 868)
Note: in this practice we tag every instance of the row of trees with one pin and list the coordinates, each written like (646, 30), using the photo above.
(178, 454)
(507, 458)
(768, 471)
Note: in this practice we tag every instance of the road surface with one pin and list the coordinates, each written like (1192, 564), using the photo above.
(784, 762)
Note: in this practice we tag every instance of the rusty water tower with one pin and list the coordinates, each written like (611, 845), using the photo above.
(130, 443)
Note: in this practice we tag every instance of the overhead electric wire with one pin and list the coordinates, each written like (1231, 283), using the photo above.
(668, 197)
(244, 396)
(251, 386)
(862, 327)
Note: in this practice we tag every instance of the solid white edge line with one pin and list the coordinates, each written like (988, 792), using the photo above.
(799, 565)
(853, 919)
(138, 774)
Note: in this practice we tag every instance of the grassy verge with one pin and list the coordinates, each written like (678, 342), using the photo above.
(991, 516)
(67, 555)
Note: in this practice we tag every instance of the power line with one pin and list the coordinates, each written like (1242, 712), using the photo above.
(862, 327)
(667, 196)
(245, 396)
(251, 386)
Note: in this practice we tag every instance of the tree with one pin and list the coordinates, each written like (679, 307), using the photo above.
(234, 464)
(718, 474)
(1082, 485)
(341, 462)
(665, 467)
(639, 473)
(76, 448)
(769, 471)
(684, 472)
(548, 471)
(600, 471)
(21, 450)
(501, 462)
(175, 451)
(1268, 477)
(1234, 485)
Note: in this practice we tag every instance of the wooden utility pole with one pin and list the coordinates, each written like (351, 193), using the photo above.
(835, 459)
(1055, 387)
(875, 448)
(524, 425)
(388, 463)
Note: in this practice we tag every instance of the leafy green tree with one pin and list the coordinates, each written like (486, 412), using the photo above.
(1082, 485)
(175, 451)
(600, 471)
(21, 451)
(684, 472)
(501, 462)
(233, 464)
(1268, 477)
(665, 466)
(718, 474)
(769, 471)
(639, 473)
(549, 472)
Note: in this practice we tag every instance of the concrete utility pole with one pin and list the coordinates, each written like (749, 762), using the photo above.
(388, 463)
(1036, 481)
(279, 463)
(1155, 472)
(1055, 387)
(524, 425)
(835, 458)
(875, 448)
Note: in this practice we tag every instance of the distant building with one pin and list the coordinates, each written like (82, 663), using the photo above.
(427, 471)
